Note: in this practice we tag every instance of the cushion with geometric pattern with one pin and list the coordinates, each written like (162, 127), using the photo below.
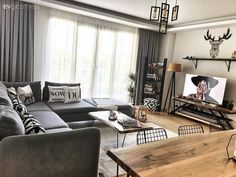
(151, 103)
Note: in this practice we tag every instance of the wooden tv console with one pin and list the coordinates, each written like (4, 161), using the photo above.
(207, 113)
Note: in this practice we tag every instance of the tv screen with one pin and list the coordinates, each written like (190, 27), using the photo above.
(205, 88)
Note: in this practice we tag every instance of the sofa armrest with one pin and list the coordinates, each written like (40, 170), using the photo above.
(65, 154)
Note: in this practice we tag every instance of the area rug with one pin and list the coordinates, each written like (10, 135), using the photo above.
(108, 141)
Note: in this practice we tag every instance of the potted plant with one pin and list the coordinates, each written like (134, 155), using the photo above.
(131, 87)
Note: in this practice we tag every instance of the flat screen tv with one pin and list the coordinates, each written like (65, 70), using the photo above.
(206, 88)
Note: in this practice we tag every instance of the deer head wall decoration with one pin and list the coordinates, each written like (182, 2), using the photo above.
(216, 43)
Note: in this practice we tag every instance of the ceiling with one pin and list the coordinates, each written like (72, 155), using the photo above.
(193, 14)
(190, 10)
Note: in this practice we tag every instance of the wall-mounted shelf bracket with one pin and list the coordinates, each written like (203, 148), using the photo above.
(228, 64)
(195, 62)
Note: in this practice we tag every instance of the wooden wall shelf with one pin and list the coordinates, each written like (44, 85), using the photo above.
(226, 60)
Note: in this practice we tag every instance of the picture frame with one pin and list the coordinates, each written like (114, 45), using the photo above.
(175, 12)
(163, 26)
(165, 8)
(155, 13)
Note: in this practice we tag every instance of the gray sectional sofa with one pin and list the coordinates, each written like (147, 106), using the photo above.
(54, 117)
(60, 152)
(50, 121)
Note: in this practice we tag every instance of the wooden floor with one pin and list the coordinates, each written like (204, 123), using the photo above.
(172, 122)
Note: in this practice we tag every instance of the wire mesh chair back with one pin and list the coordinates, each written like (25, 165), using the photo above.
(148, 136)
(190, 129)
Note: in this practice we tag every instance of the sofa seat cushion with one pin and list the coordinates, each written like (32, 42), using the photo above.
(81, 124)
(38, 106)
(63, 108)
(10, 122)
(57, 130)
(49, 119)
(108, 101)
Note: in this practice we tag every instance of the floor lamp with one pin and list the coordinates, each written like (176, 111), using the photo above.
(172, 67)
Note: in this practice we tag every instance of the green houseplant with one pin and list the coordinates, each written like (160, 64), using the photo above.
(131, 87)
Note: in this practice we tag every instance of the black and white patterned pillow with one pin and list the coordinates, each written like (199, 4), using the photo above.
(32, 126)
(72, 94)
(56, 94)
(26, 94)
(18, 106)
(151, 103)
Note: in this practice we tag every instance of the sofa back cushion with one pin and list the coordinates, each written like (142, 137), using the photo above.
(46, 90)
(10, 122)
(4, 99)
(35, 86)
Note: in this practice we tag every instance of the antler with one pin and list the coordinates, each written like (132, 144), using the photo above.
(225, 36)
(208, 36)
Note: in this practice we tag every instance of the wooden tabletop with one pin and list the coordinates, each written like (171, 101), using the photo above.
(202, 155)
(103, 116)
(206, 105)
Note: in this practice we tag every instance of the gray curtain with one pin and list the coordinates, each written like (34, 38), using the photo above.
(16, 40)
(147, 53)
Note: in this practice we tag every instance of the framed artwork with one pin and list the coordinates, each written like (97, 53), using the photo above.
(154, 14)
(175, 12)
(163, 27)
(165, 10)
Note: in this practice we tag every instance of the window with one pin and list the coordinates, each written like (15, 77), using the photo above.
(99, 57)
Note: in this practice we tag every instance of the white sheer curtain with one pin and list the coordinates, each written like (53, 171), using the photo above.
(61, 49)
(100, 57)
(86, 57)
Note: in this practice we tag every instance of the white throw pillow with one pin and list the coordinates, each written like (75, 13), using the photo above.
(72, 94)
(26, 94)
(56, 94)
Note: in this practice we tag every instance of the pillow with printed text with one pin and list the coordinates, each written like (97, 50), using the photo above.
(56, 94)
(72, 94)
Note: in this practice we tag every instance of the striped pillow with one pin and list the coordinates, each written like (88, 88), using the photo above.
(18, 106)
(32, 126)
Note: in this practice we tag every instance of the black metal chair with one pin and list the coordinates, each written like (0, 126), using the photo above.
(151, 135)
(190, 129)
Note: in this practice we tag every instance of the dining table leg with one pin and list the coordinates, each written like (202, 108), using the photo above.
(117, 145)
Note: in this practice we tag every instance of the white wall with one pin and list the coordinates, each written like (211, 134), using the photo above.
(166, 51)
(193, 44)
(175, 46)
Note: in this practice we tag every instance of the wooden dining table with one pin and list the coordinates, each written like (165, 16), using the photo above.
(201, 155)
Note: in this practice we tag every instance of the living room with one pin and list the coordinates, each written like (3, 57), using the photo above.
(87, 85)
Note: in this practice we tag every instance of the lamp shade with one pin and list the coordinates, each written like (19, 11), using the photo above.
(174, 67)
